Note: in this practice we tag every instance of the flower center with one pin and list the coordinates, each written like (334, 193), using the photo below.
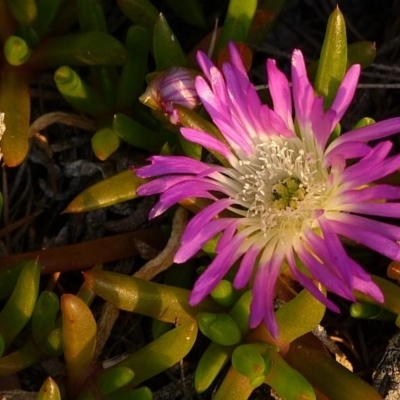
(287, 193)
(283, 185)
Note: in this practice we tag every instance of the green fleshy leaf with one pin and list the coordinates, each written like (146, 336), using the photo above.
(190, 11)
(224, 293)
(288, 383)
(333, 59)
(104, 143)
(110, 380)
(19, 307)
(161, 353)
(167, 50)
(20, 359)
(91, 16)
(24, 11)
(131, 83)
(16, 51)
(247, 360)
(162, 302)
(142, 393)
(44, 316)
(15, 103)
(234, 386)
(46, 12)
(219, 328)
(79, 49)
(53, 345)
(364, 122)
(79, 340)
(299, 316)
(78, 93)
(192, 150)
(119, 188)
(138, 135)
(210, 365)
(391, 295)
(141, 12)
(362, 53)
(8, 279)
(237, 22)
(371, 311)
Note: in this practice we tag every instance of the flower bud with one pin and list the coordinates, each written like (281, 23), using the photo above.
(174, 86)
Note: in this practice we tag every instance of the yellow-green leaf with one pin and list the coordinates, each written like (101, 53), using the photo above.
(79, 338)
(333, 60)
(110, 191)
(15, 104)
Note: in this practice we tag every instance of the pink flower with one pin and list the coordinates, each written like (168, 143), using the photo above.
(289, 195)
(174, 86)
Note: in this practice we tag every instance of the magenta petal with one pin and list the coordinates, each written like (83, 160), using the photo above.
(207, 141)
(368, 163)
(205, 63)
(237, 63)
(262, 306)
(346, 91)
(322, 122)
(219, 87)
(303, 92)
(226, 237)
(375, 131)
(378, 209)
(279, 125)
(190, 247)
(324, 273)
(244, 103)
(348, 150)
(183, 190)
(165, 165)
(336, 251)
(373, 240)
(376, 171)
(364, 283)
(387, 230)
(280, 93)
(247, 266)
(370, 193)
(203, 217)
(160, 185)
(308, 283)
(216, 271)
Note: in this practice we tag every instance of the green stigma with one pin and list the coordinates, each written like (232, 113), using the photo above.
(287, 193)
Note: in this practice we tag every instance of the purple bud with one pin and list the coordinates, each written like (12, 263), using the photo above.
(174, 86)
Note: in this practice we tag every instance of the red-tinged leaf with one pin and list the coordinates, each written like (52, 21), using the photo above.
(87, 254)
(328, 376)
